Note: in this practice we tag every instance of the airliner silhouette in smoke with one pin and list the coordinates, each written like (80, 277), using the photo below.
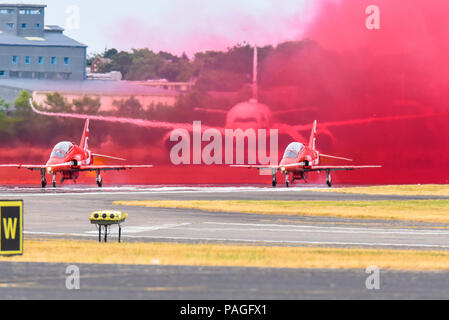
(250, 114)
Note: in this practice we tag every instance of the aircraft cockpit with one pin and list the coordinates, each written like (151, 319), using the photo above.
(61, 150)
(293, 150)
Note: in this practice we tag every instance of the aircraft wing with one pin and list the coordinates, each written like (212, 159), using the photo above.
(325, 125)
(255, 167)
(340, 168)
(24, 166)
(113, 168)
(137, 122)
(101, 156)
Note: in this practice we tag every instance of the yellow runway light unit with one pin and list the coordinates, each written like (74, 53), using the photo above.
(105, 219)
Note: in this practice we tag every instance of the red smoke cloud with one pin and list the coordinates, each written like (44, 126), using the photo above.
(348, 72)
(399, 69)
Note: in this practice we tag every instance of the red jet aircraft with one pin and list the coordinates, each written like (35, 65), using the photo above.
(69, 160)
(299, 160)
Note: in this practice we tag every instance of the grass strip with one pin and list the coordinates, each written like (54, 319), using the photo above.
(65, 251)
(409, 210)
(399, 190)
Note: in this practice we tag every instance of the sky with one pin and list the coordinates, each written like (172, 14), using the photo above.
(178, 26)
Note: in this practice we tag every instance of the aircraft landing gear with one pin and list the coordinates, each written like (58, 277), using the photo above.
(43, 180)
(54, 180)
(287, 182)
(274, 184)
(99, 180)
(329, 179)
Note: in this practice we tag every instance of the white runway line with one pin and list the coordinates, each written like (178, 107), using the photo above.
(325, 229)
(140, 229)
(267, 241)
(134, 190)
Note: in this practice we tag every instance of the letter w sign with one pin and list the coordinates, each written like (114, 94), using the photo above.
(11, 227)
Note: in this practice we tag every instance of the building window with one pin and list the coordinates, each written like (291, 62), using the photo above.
(38, 25)
(24, 25)
(66, 61)
(2, 73)
(30, 11)
(10, 26)
(40, 60)
(7, 11)
(15, 60)
(53, 60)
(27, 60)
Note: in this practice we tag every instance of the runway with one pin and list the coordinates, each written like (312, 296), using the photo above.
(64, 212)
(120, 282)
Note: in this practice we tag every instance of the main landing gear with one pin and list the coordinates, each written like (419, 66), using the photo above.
(43, 180)
(274, 184)
(329, 179)
(99, 179)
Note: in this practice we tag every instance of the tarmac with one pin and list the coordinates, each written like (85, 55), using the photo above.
(63, 213)
(37, 281)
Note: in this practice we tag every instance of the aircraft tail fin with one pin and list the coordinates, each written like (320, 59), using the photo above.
(312, 141)
(84, 140)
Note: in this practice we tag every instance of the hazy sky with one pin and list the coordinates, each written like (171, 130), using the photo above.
(178, 25)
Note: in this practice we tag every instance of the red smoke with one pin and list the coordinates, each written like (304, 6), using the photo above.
(346, 72)
(349, 72)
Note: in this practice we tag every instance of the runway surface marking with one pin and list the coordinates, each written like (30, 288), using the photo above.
(297, 228)
(205, 229)
(132, 190)
(140, 229)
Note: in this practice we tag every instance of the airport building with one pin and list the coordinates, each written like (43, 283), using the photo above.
(29, 49)
(108, 91)
(42, 60)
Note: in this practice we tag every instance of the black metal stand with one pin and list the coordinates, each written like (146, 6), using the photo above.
(106, 233)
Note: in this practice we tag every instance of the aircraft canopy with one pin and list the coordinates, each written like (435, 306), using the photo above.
(293, 150)
(61, 150)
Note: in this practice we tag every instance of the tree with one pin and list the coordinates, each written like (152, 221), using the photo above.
(58, 103)
(87, 105)
(22, 103)
(129, 108)
(109, 54)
